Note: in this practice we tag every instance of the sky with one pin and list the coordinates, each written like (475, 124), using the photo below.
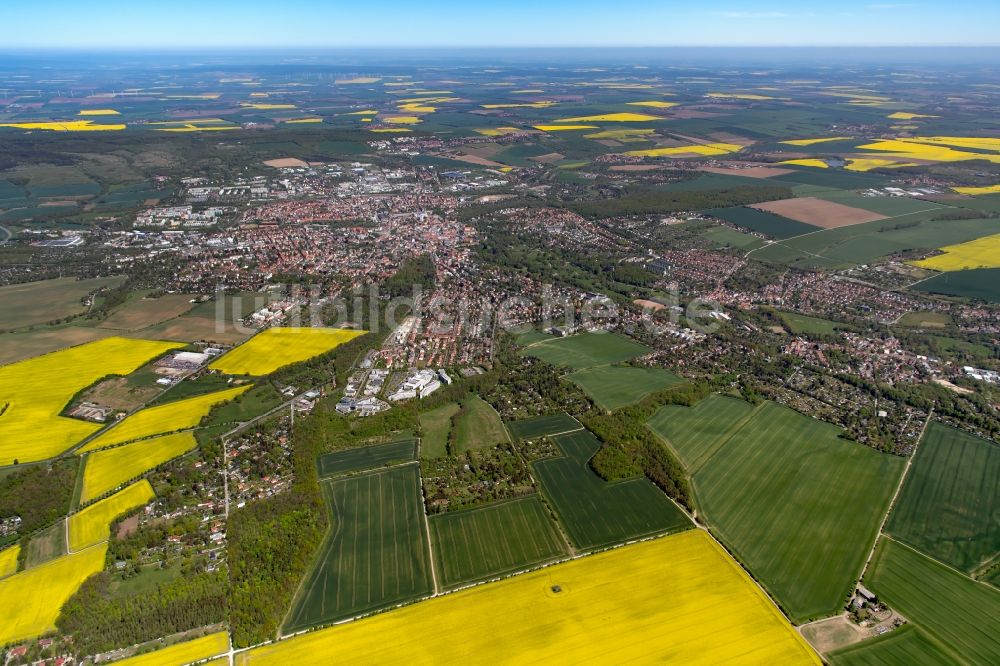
(187, 24)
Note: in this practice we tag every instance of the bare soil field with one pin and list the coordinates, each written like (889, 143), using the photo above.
(144, 312)
(549, 158)
(19, 346)
(118, 393)
(286, 162)
(192, 329)
(819, 212)
(752, 172)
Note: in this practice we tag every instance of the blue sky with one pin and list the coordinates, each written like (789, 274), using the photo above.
(185, 24)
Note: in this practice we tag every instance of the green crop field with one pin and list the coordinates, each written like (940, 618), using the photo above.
(479, 426)
(888, 206)
(435, 425)
(728, 237)
(981, 283)
(367, 457)
(615, 386)
(587, 350)
(769, 224)
(949, 506)
(543, 426)
(375, 554)
(41, 302)
(960, 613)
(800, 324)
(596, 513)
(696, 433)
(493, 540)
(906, 646)
(532, 336)
(783, 494)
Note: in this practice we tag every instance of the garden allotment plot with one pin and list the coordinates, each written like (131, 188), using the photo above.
(949, 507)
(489, 541)
(783, 494)
(594, 512)
(375, 554)
(586, 350)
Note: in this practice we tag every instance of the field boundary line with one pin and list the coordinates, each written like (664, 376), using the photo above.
(949, 567)
(895, 496)
(729, 434)
(427, 532)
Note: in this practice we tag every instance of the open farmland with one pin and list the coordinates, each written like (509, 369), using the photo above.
(819, 212)
(611, 604)
(30, 600)
(169, 417)
(41, 302)
(367, 457)
(612, 387)
(92, 524)
(183, 653)
(775, 495)
(982, 284)
(543, 426)
(586, 350)
(905, 646)
(493, 540)
(107, 469)
(980, 253)
(46, 545)
(36, 390)
(376, 553)
(277, 347)
(594, 512)
(949, 505)
(8, 560)
(762, 222)
(19, 346)
(144, 312)
(696, 433)
(960, 613)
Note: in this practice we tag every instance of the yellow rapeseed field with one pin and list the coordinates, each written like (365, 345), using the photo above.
(182, 653)
(563, 128)
(980, 253)
(654, 103)
(810, 142)
(92, 524)
(612, 118)
(496, 131)
(198, 128)
(366, 112)
(387, 130)
(297, 121)
(67, 126)
(107, 469)
(680, 599)
(974, 191)
(8, 560)
(195, 96)
(401, 120)
(30, 600)
(819, 164)
(36, 390)
(867, 164)
(169, 417)
(361, 79)
(936, 149)
(277, 347)
(706, 150)
(903, 115)
(98, 112)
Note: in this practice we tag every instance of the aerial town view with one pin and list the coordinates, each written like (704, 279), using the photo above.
(513, 334)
